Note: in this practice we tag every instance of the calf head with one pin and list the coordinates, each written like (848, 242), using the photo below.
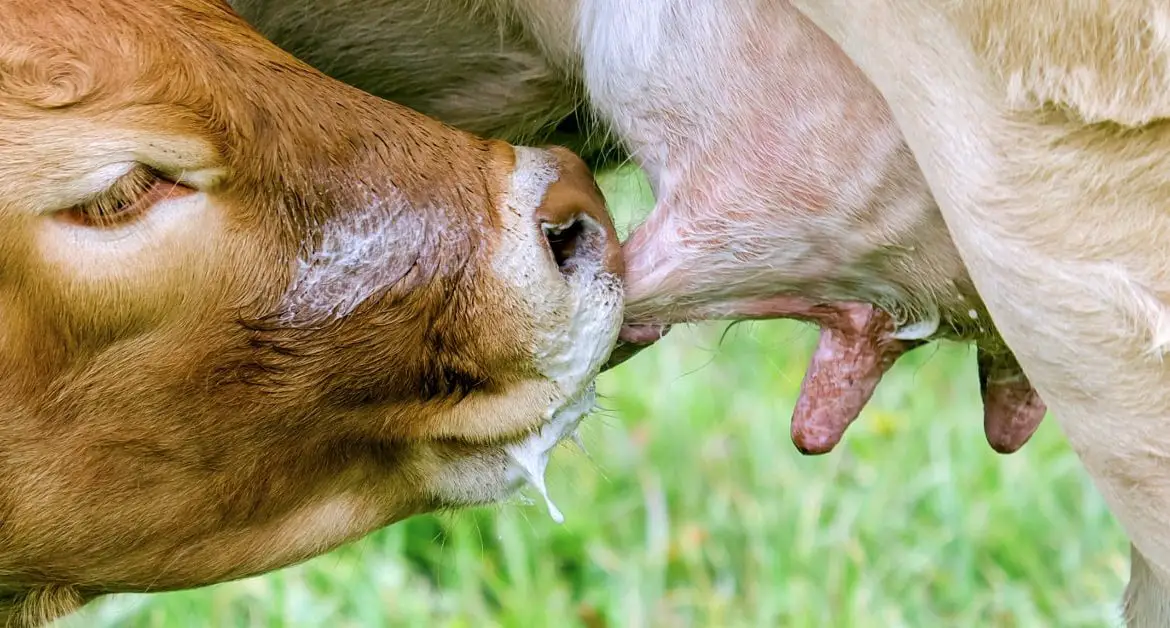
(248, 313)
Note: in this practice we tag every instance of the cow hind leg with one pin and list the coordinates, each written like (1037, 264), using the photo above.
(1147, 598)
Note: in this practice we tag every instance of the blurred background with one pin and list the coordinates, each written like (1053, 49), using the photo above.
(693, 508)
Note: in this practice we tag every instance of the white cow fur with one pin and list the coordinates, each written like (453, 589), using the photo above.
(1051, 173)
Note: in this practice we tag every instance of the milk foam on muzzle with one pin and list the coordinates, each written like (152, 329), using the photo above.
(532, 454)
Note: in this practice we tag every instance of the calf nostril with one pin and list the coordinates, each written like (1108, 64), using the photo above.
(577, 229)
(576, 241)
(562, 241)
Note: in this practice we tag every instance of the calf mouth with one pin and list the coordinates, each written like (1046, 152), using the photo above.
(858, 344)
(468, 474)
(529, 457)
(572, 359)
(632, 339)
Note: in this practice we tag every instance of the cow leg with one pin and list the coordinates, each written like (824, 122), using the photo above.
(1147, 598)
(1058, 209)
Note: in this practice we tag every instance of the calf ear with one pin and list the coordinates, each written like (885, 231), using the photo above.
(1098, 60)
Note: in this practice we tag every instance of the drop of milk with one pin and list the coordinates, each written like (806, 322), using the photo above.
(534, 469)
(576, 439)
(532, 454)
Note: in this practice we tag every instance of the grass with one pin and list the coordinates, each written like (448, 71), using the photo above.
(694, 509)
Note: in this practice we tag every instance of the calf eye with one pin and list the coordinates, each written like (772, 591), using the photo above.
(128, 198)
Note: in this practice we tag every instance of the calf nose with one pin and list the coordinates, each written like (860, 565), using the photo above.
(577, 226)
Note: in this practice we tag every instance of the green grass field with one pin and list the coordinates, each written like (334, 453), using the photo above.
(694, 509)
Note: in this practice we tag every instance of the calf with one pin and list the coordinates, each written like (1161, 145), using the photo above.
(1042, 130)
(785, 190)
(250, 313)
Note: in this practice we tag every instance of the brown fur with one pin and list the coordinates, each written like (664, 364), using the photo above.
(163, 423)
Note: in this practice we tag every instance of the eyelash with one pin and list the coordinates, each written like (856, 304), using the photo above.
(130, 196)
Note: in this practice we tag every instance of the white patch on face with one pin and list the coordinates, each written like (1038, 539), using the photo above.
(332, 517)
(96, 181)
(137, 249)
(359, 253)
(577, 314)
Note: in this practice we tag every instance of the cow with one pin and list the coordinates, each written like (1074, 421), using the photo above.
(860, 165)
(249, 313)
